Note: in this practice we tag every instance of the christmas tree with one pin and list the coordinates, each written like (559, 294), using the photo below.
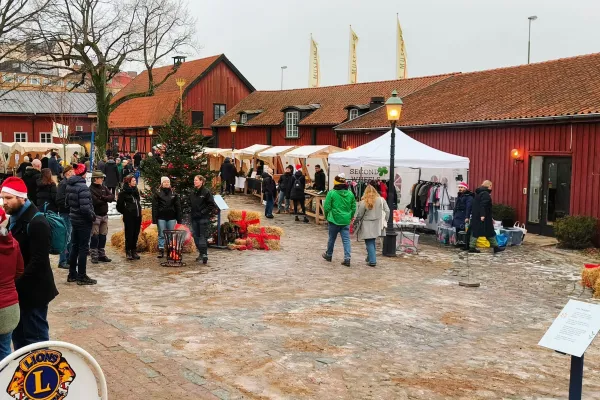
(183, 158)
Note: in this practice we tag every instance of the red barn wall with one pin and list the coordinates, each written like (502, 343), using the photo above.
(247, 136)
(9, 124)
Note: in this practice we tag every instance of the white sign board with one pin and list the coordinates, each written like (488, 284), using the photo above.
(17, 156)
(574, 328)
(220, 202)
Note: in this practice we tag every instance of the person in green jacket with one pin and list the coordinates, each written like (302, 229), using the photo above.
(339, 207)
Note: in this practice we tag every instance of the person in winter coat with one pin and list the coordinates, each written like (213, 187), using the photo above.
(319, 183)
(23, 166)
(101, 196)
(297, 192)
(166, 211)
(127, 169)
(75, 158)
(63, 210)
(269, 191)
(11, 268)
(120, 168)
(203, 205)
(462, 207)
(81, 214)
(36, 288)
(482, 224)
(46, 192)
(372, 215)
(111, 170)
(228, 174)
(128, 204)
(137, 160)
(284, 187)
(45, 161)
(102, 165)
(339, 208)
(30, 177)
(55, 166)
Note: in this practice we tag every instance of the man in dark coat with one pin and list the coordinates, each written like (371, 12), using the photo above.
(137, 159)
(111, 170)
(30, 177)
(319, 183)
(228, 173)
(127, 169)
(297, 192)
(102, 165)
(482, 224)
(36, 286)
(285, 183)
(269, 191)
(54, 165)
(101, 196)
(23, 166)
(202, 206)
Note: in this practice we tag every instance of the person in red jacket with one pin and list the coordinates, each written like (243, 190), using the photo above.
(11, 267)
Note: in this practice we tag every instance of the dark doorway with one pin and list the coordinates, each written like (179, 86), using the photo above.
(549, 193)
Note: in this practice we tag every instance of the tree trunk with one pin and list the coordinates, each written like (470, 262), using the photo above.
(103, 110)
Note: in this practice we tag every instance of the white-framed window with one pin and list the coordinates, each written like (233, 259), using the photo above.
(133, 144)
(79, 128)
(45, 137)
(34, 81)
(353, 113)
(8, 78)
(20, 136)
(115, 143)
(21, 79)
(291, 124)
(46, 82)
(243, 118)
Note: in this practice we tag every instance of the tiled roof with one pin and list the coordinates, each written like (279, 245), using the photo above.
(568, 86)
(332, 100)
(155, 110)
(46, 102)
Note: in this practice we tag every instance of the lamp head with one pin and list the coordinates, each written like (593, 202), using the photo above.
(393, 107)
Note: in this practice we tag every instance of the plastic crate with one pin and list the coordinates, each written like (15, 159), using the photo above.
(515, 236)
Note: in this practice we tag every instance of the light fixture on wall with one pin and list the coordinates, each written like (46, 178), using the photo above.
(516, 155)
(150, 130)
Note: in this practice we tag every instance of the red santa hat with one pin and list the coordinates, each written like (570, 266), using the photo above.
(464, 185)
(15, 186)
(298, 166)
(80, 169)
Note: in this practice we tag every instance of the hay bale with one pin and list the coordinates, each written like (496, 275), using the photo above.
(146, 215)
(142, 243)
(117, 240)
(597, 288)
(589, 277)
(272, 242)
(251, 218)
(189, 248)
(152, 239)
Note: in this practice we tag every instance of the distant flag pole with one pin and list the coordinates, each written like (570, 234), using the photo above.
(314, 71)
(401, 68)
(352, 64)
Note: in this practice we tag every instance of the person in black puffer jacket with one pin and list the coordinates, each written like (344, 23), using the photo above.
(128, 204)
(482, 223)
(269, 191)
(46, 192)
(63, 210)
(203, 205)
(297, 192)
(285, 183)
(166, 211)
(228, 174)
(81, 213)
(101, 196)
(111, 170)
(30, 177)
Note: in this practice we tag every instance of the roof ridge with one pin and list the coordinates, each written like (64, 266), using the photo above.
(362, 83)
(556, 60)
(186, 62)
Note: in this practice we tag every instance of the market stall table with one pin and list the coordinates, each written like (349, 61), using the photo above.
(318, 198)
(411, 245)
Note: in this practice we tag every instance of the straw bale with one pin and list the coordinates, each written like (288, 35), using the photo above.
(117, 240)
(235, 216)
(597, 288)
(189, 247)
(589, 277)
(272, 244)
(269, 230)
(152, 239)
(146, 215)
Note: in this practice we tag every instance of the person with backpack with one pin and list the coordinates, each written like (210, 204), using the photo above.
(46, 192)
(11, 268)
(128, 204)
(297, 192)
(36, 288)
(339, 208)
(284, 187)
(203, 205)
(166, 211)
(63, 211)
(101, 196)
(81, 213)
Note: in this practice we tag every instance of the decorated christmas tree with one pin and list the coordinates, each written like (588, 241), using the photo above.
(181, 147)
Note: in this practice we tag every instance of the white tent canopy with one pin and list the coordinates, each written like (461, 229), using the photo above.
(410, 153)
(275, 151)
(251, 151)
(313, 151)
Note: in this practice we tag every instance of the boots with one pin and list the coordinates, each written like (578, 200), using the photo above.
(135, 255)
(474, 250)
(306, 221)
(296, 219)
(104, 259)
(499, 249)
(346, 263)
(161, 253)
(204, 258)
(129, 255)
(94, 256)
(326, 257)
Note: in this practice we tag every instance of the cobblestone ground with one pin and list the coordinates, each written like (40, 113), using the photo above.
(287, 325)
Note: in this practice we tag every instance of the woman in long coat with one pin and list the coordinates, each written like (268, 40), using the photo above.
(372, 212)
(482, 223)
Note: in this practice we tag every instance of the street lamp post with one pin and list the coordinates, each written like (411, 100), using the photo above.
(282, 68)
(532, 18)
(393, 108)
(233, 128)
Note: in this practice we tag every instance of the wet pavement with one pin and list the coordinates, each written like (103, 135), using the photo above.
(288, 325)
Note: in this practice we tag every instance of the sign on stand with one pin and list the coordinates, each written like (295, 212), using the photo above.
(222, 205)
(571, 333)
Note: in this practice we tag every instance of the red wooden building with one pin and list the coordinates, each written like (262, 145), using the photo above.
(27, 116)
(549, 112)
(212, 86)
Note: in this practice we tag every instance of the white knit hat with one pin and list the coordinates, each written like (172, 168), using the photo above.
(163, 179)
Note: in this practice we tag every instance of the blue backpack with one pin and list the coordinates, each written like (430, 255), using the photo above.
(58, 231)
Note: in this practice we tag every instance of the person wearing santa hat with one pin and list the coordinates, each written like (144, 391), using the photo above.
(36, 286)
(462, 209)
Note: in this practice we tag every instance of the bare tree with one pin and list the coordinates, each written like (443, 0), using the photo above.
(96, 38)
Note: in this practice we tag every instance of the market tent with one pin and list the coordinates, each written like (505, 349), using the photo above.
(275, 151)
(322, 151)
(410, 153)
(251, 151)
(35, 147)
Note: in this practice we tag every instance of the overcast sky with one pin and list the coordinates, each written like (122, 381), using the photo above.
(441, 35)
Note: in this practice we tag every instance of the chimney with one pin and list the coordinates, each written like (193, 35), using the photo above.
(376, 102)
(178, 60)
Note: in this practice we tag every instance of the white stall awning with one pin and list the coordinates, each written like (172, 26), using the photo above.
(323, 151)
(251, 151)
(275, 151)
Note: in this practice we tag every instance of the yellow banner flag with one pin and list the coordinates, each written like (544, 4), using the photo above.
(401, 68)
(314, 71)
(352, 66)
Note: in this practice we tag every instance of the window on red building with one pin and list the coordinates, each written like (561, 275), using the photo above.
(46, 137)
(20, 136)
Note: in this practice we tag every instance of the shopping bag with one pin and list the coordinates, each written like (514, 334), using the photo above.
(483, 242)
(502, 240)
(521, 227)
